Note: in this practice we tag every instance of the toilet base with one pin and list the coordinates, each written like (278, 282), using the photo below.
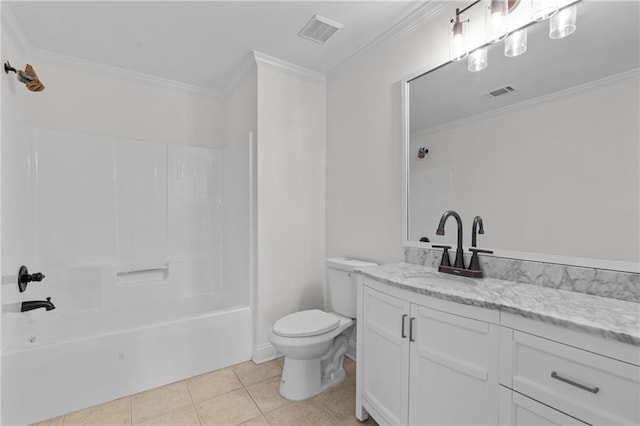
(301, 379)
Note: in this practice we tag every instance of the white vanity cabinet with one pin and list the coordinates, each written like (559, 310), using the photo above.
(591, 379)
(421, 364)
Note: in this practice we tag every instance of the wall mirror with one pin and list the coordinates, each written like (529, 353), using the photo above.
(543, 146)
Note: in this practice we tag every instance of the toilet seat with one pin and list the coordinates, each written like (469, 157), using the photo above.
(305, 323)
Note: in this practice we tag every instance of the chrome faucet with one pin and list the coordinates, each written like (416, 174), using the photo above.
(459, 263)
(35, 304)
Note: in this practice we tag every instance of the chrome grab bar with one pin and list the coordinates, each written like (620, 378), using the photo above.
(143, 270)
(556, 376)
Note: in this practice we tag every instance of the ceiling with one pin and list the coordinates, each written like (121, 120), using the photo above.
(605, 43)
(202, 42)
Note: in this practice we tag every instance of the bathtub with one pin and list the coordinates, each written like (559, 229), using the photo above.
(68, 363)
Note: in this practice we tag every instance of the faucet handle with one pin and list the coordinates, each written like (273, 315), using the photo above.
(445, 254)
(477, 250)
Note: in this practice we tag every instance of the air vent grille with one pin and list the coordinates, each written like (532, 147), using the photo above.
(319, 29)
(499, 92)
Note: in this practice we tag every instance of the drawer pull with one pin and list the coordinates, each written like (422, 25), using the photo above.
(404, 317)
(555, 375)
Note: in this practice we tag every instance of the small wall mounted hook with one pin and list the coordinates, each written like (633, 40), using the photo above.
(422, 151)
(8, 67)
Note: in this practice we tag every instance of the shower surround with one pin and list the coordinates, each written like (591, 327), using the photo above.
(131, 238)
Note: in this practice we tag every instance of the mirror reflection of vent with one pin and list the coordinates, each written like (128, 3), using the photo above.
(499, 92)
(319, 29)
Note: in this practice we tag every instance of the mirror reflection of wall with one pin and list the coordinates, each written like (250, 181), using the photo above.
(553, 164)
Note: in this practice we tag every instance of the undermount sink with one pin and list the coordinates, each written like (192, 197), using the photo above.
(428, 277)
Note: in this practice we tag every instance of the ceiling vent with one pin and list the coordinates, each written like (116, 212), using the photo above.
(499, 92)
(319, 29)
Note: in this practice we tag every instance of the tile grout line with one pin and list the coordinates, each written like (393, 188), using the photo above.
(193, 403)
(130, 410)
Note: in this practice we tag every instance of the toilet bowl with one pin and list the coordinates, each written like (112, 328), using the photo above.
(314, 342)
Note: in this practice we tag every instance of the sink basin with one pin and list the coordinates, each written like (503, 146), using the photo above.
(438, 278)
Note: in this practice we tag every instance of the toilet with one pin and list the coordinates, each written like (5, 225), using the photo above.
(314, 342)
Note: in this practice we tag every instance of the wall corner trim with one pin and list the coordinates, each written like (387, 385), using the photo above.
(263, 60)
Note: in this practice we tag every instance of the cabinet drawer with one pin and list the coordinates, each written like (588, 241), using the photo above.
(593, 388)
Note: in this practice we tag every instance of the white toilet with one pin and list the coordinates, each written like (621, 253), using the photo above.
(314, 342)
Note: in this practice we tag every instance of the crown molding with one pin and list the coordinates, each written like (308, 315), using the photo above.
(401, 29)
(263, 60)
(634, 73)
(242, 70)
(15, 32)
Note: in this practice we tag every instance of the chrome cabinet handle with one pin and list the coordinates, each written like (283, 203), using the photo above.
(404, 317)
(556, 376)
(411, 339)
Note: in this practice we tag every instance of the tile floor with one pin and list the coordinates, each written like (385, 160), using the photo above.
(244, 394)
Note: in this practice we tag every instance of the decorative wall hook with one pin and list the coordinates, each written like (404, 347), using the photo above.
(8, 67)
(422, 151)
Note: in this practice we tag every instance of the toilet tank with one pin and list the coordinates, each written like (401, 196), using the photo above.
(342, 285)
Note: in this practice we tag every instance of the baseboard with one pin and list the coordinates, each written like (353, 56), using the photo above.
(265, 352)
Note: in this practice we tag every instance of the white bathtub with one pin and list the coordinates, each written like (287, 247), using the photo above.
(41, 379)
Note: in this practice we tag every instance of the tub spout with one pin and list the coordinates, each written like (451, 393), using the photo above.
(35, 304)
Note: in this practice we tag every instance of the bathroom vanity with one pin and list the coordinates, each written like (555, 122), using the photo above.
(437, 349)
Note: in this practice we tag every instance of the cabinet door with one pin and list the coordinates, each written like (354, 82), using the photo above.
(385, 355)
(519, 410)
(454, 369)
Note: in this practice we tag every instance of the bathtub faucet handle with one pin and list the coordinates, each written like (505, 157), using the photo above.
(24, 278)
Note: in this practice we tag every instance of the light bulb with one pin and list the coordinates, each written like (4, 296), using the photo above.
(457, 43)
(496, 20)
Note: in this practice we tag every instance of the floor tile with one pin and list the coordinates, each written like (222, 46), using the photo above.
(266, 394)
(185, 416)
(280, 361)
(210, 385)
(340, 402)
(258, 421)
(250, 372)
(301, 413)
(159, 401)
(229, 409)
(112, 413)
(56, 421)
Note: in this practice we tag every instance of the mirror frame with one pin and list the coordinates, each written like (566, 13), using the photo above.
(613, 265)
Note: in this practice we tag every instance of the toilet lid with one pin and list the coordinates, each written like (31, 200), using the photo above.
(305, 323)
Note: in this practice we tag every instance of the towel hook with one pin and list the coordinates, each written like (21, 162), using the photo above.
(8, 67)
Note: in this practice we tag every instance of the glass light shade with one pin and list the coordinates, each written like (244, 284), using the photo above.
(496, 12)
(516, 43)
(563, 23)
(477, 60)
(543, 9)
(457, 43)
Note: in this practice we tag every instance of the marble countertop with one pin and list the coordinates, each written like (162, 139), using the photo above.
(606, 317)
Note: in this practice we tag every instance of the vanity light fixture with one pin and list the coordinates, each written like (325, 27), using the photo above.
(543, 9)
(477, 59)
(457, 43)
(496, 12)
(563, 23)
(516, 43)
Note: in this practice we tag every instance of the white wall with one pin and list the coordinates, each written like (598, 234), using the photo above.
(241, 120)
(290, 196)
(84, 99)
(364, 186)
